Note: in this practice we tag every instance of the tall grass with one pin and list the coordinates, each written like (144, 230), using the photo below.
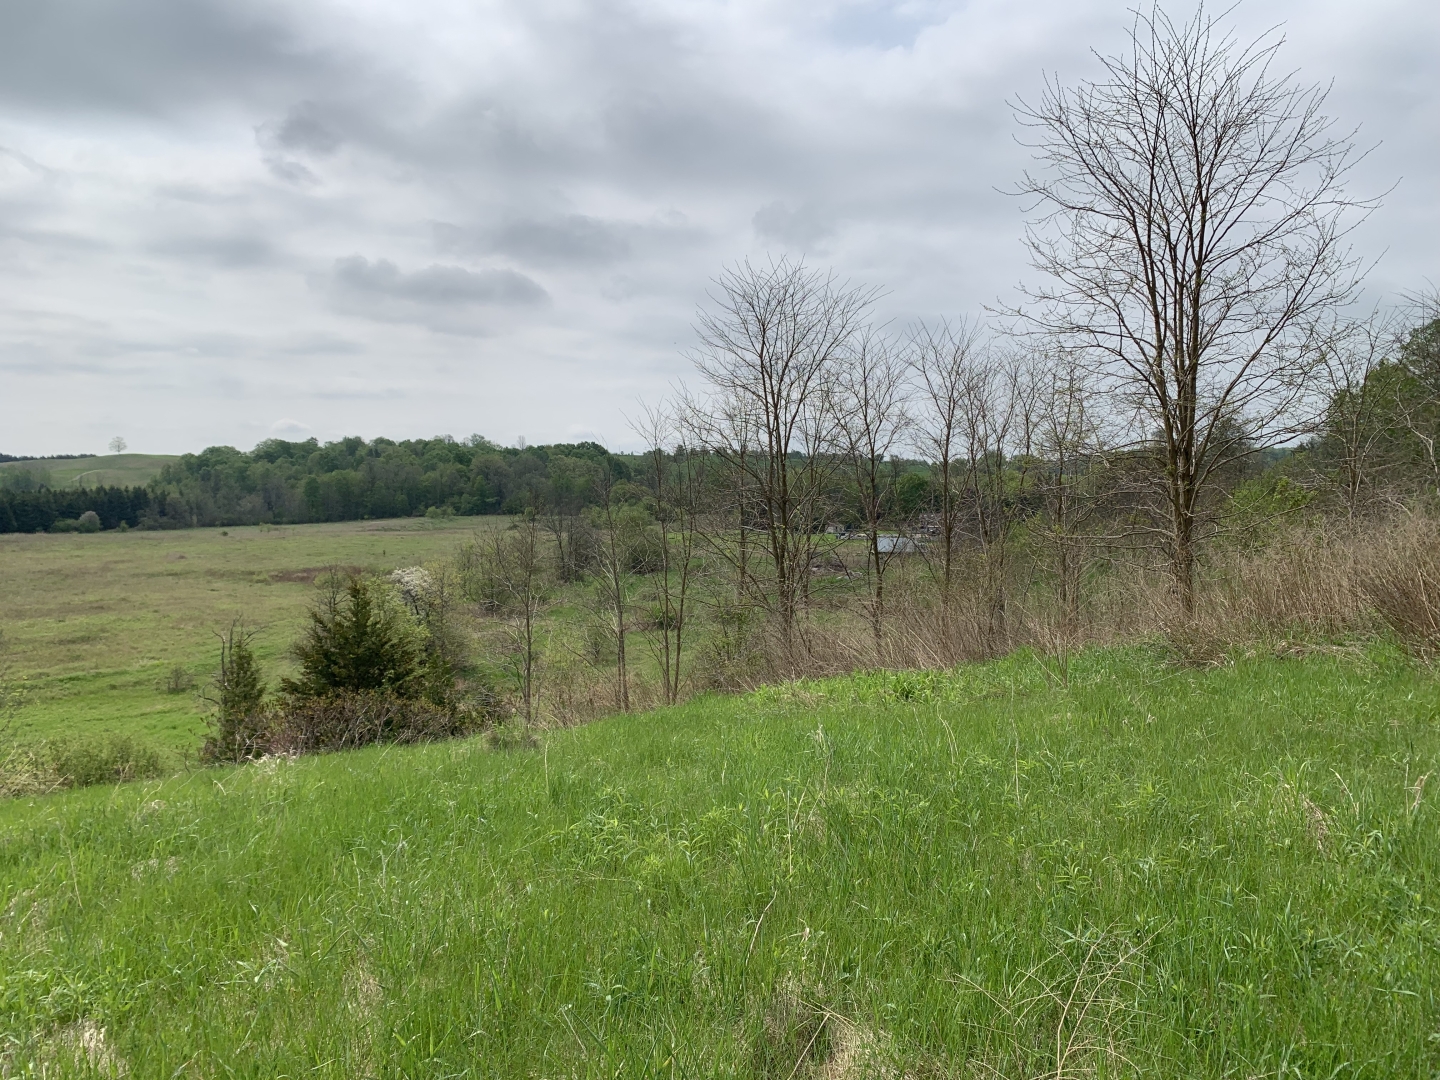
(1148, 870)
(1315, 581)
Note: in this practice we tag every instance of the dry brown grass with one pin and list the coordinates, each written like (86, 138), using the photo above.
(1307, 587)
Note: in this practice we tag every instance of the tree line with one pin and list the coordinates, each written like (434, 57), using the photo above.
(282, 482)
(48, 509)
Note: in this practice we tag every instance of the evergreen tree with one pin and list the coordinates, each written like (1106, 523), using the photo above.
(358, 640)
(240, 719)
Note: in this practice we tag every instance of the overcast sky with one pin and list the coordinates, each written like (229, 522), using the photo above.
(223, 220)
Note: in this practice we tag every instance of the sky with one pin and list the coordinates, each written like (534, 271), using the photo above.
(223, 221)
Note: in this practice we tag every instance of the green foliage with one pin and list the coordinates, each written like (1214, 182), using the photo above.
(88, 522)
(360, 638)
(92, 617)
(282, 481)
(1151, 872)
(914, 492)
(240, 720)
(42, 509)
(55, 764)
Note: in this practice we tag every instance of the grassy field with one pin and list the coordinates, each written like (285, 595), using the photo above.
(96, 621)
(1152, 871)
(106, 470)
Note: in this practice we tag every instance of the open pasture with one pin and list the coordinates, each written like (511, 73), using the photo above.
(107, 470)
(96, 622)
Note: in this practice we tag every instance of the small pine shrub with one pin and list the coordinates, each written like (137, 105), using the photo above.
(241, 722)
(360, 639)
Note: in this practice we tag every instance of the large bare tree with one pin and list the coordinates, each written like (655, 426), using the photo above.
(769, 345)
(1192, 221)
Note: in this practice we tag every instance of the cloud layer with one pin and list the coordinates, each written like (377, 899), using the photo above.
(220, 220)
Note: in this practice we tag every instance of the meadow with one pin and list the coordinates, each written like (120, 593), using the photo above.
(96, 623)
(107, 470)
(1147, 869)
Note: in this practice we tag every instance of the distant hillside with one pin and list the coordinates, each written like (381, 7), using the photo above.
(108, 470)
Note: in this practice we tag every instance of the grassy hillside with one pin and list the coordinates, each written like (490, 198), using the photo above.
(96, 621)
(107, 470)
(1156, 871)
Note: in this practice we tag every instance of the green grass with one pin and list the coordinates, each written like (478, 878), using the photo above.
(95, 621)
(105, 470)
(1220, 873)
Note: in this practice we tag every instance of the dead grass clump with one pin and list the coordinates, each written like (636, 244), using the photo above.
(81, 1048)
(1399, 575)
(55, 764)
(1072, 1015)
(1307, 580)
(512, 735)
(794, 1037)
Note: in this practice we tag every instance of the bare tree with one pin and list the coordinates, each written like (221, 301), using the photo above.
(871, 397)
(674, 481)
(942, 359)
(1417, 396)
(996, 430)
(1193, 225)
(517, 586)
(1356, 419)
(768, 350)
(613, 558)
(1069, 441)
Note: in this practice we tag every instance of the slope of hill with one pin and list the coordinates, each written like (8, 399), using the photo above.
(108, 470)
(1148, 871)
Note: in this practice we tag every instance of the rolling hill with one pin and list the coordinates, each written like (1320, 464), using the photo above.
(108, 470)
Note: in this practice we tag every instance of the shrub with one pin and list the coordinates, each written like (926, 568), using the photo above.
(360, 640)
(347, 719)
(50, 765)
(239, 728)
(178, 680)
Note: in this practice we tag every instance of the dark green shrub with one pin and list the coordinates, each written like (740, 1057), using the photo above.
(359, 640)
(240, 722)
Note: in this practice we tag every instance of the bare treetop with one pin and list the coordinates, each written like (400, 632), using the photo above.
(1192, 220)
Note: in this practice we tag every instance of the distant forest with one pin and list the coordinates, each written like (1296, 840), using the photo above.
(293, 482)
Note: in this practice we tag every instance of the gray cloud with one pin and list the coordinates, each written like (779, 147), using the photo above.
(303, 130)
(149, 54)
(800, 230)
(446, 299)
(178, 171)
(434, 285)
(571, 239)
(233, 251)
